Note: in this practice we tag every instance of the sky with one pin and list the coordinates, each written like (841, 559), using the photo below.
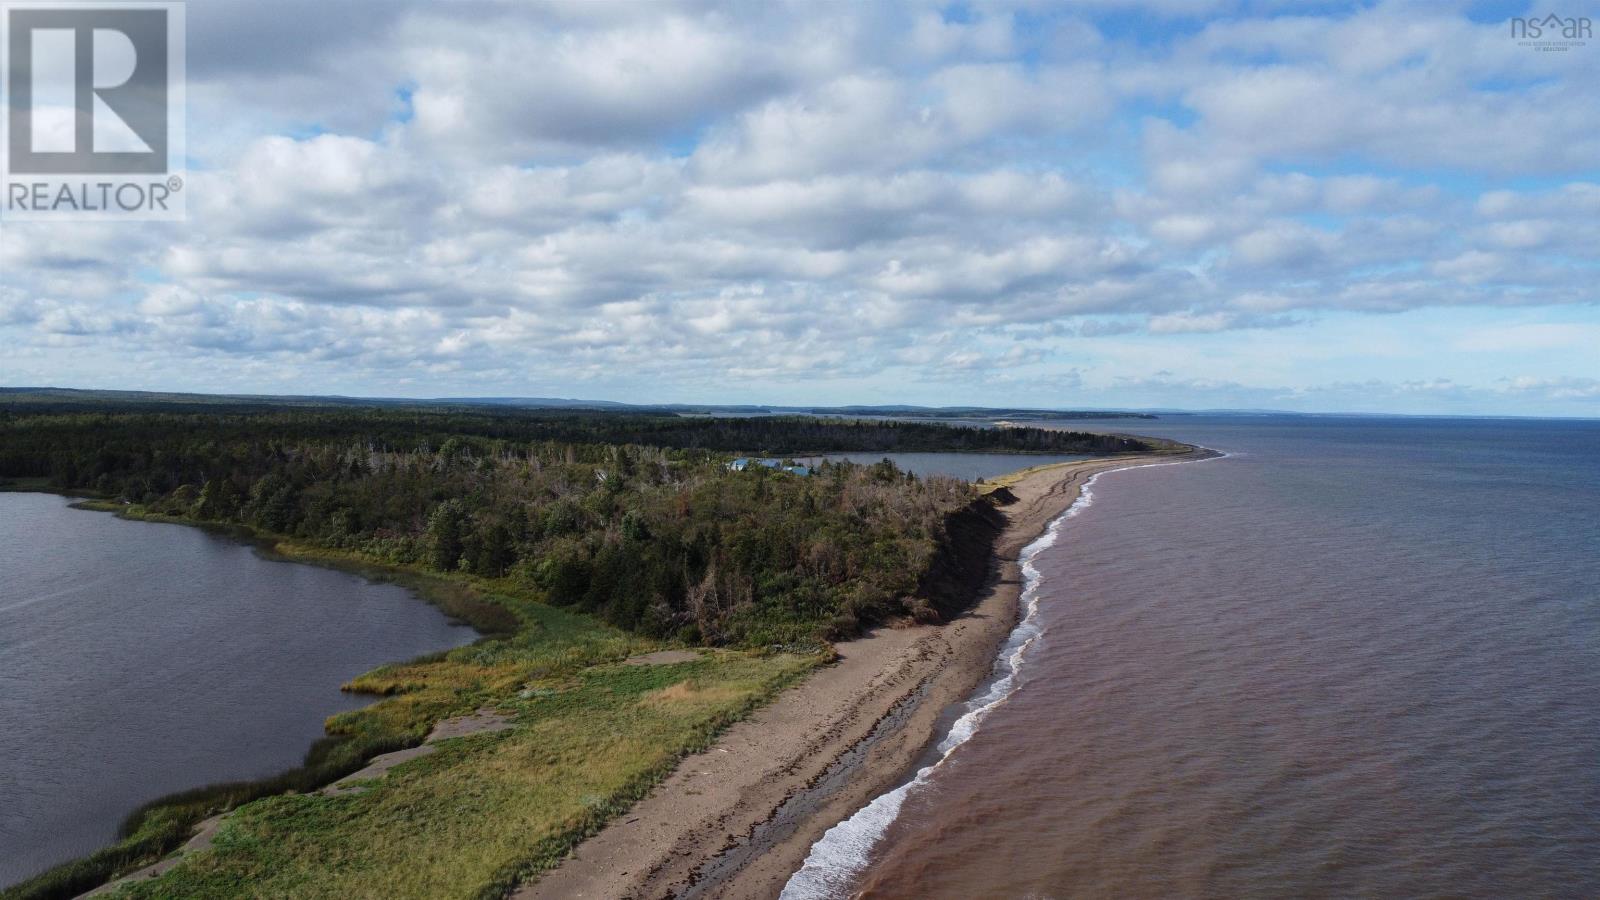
(1374, 207)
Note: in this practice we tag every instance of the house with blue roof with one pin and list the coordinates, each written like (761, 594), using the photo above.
(745, 462)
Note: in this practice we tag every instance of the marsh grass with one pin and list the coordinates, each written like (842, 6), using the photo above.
(488, 810)
(591, 737)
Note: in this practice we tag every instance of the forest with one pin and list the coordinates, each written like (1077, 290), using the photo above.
(635, 519)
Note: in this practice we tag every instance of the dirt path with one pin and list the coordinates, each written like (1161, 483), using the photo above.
(480, 722)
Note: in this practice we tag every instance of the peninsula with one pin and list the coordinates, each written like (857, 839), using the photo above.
(798, 630)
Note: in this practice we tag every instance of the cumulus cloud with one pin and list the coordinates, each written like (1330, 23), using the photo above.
(1565, 388)
(698, 193)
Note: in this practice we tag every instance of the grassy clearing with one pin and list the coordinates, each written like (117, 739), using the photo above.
(487, 810)
(592, 736)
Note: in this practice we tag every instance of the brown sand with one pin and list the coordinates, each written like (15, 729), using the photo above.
(738, 819)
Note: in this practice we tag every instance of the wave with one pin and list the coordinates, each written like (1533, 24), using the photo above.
(838, 858)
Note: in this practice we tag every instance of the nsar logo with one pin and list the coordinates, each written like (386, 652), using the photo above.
(1552, 33)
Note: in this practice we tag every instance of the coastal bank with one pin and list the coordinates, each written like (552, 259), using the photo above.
(738, 819)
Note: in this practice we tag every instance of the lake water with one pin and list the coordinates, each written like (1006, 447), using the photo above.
(1358, 657)
(139, 659)
(965, 466)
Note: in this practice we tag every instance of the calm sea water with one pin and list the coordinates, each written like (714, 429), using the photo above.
(140, 659)
(1358, 657)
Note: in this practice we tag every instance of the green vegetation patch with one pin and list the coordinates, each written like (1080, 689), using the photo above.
(591, 735)
(487, 810)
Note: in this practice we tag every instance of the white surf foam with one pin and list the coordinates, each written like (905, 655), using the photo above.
(838, 858)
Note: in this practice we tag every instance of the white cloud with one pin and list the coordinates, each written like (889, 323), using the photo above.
(1557, 388)
(691, 192)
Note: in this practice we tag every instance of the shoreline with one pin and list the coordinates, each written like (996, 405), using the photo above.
(738, 819)
(191, 828)
(439, 592)
(452, 598)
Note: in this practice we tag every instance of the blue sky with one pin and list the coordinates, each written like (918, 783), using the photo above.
(1387, 207)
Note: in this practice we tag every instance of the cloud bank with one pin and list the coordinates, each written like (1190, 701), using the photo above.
(1003, 203)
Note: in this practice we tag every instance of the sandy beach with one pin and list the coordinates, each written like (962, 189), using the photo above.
(738, 819)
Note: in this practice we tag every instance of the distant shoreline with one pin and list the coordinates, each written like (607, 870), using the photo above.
(739, 818)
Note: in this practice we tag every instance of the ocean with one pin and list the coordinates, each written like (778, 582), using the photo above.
(1354, 657)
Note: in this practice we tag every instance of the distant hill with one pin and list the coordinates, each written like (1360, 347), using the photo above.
(53, 396)
(973, 412)
(531, 402)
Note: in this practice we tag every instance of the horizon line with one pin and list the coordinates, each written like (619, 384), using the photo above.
(538, 402)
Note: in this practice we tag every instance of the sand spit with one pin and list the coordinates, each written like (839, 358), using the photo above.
(738, 819)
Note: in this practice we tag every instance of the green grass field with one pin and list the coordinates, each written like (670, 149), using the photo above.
(591, 735)
(486, 810)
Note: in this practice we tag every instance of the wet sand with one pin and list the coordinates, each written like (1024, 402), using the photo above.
(739, 819)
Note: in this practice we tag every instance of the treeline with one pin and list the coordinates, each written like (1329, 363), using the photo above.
(635, 519)
(422, 427)
(799, 434)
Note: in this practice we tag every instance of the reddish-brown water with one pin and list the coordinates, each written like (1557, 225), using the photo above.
(1358, 658)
